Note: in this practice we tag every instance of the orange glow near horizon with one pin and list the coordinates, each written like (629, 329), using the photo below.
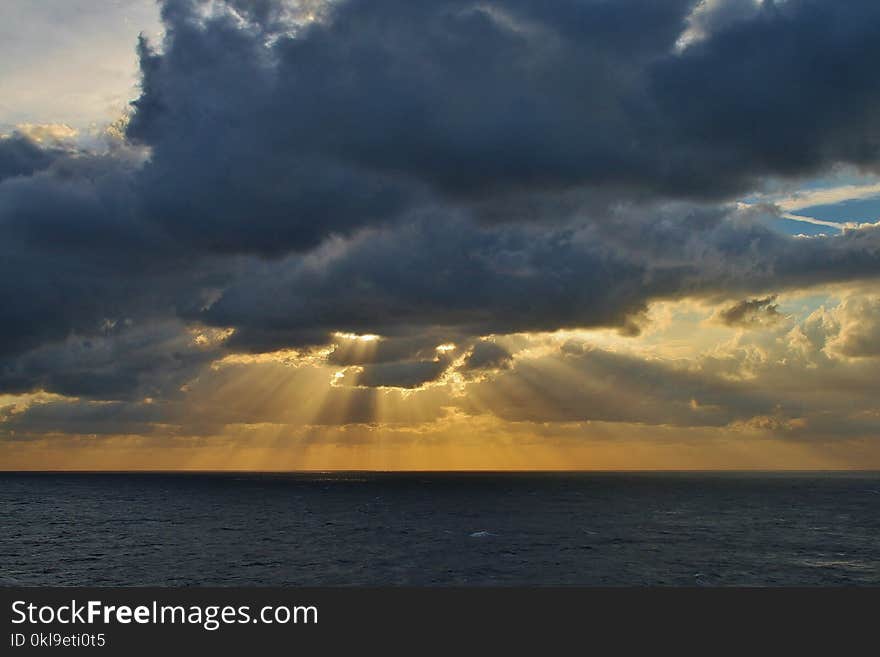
(558, 404)
(488, 448)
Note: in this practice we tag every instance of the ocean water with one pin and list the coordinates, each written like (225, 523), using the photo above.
(440, 529)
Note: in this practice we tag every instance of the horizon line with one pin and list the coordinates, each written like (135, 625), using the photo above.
(448, 471)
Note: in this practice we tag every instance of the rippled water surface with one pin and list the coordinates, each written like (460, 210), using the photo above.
(440, 529)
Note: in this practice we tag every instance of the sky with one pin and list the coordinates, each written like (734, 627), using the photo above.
(386, 234)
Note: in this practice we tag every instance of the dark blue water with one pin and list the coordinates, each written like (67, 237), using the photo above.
(440, 529)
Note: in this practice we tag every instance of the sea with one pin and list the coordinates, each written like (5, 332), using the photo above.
(440, 529)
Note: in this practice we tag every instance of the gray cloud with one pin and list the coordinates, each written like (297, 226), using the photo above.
(476, 280)
(21, 156)
(400, 374)
(433, 172)
(265, 141)
(751, 312)
(76, 254)
(126, 361)
(487, 355)
(429, 274)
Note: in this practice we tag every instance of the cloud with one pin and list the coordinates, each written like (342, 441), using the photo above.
(227, 170)
(474, 280)
(751, 312)
(436, 174)
(20, 155)
(433, 274)
(126, 361)
(487, 354)
(856, 325)
(400, 374)
(761, 96)
(710, 16)
(76, 254)
(381, 99)
(56, 134)
(583, 383)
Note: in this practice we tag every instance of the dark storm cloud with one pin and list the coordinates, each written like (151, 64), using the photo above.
(474, 98)
(503, 279)
(429, 273)
(431, 172)
(125, 361)
(228, 171)
(786, 92)
(267, 142)
(61, 266)
(89, 288)
(75, 255)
